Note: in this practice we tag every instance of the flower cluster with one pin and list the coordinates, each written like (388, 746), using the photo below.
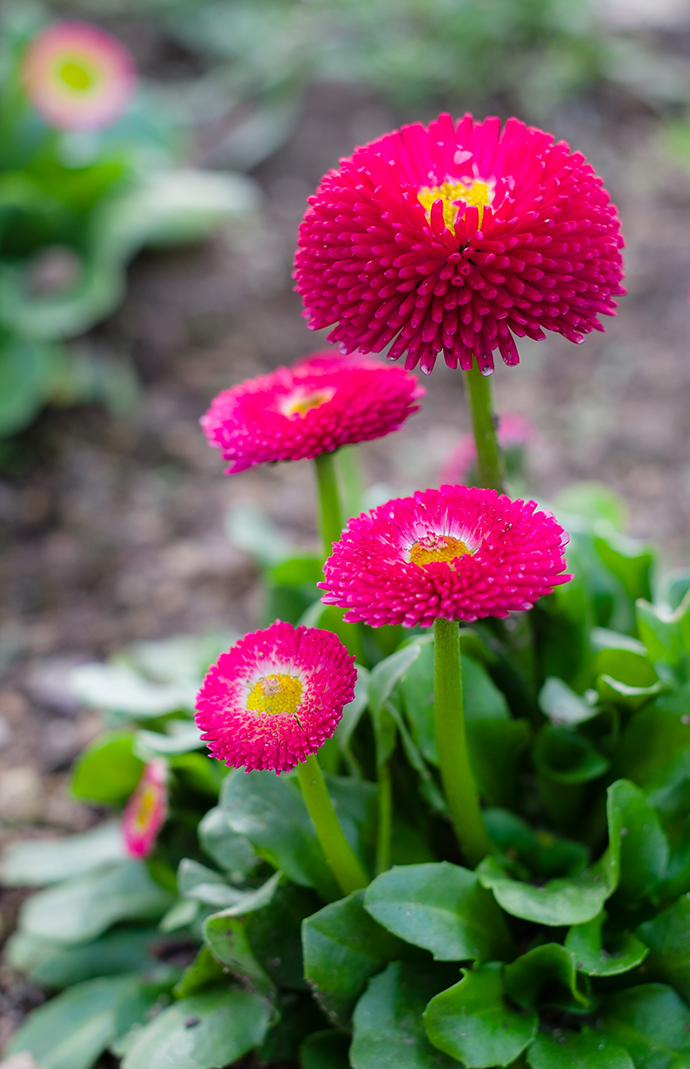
(456, 238)
(275, 697)
(458, 553)
(77, 76)
(147, 810)
(319, 404)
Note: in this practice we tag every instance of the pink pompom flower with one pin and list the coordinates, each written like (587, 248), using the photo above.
(458, 553)
(77, 76)
(514, 431)
(456, 238)
(275, 697)
(147, 810)
(320, 403)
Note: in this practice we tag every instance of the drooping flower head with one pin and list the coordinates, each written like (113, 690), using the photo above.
(458, 553)
(320, 403)
(77, 76)
(514, 431)
(147, 810)
(455, 238)
(275, 697)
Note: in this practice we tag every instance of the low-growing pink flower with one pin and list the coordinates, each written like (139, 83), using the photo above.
(275, 697)
(514, 431)
(458, 237)
(319, 404)
(147, 810)
(77, 76)
(458, 553)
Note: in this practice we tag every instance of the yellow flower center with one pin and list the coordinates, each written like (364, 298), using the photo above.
(76, 75)
(279, 693)
(298, 404)
(436, 547)
(147, 805)
(477, 193)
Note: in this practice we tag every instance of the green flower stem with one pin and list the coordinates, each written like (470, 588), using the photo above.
(337, 851)
(489, 460)
(383, 835)
(347, 463)
(330, 511)
(456, 774)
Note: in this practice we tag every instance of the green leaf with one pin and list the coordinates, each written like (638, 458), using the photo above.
(545, 976)
(53, 964)
(594, 501)
(566, 758)
(496, 748)
(623, 950)
(562, 705)
(544, 853)
(107, 771)
(440, 907)
(79, 910)
(472, 1022)
(204, 971)
(568, 900)
(668, 937)
(181, 737)
(628, 667)
(348, 722)
(73, 1029)
(325, 1050)
(638, 848)
(654, 736)
(388, 1027)
(577, 1050)
(25, 371)
(663, 632)
(386, 675)
(343, 947)
(612, 690)
(628, 560)
(39, 862)
(651, 1022)
(206, 885)
(232, 852)
(119, 689)
(270, 812)
(298, 1016)
(205, 1031)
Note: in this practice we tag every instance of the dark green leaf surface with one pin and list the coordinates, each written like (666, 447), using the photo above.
(546, 976)
(577, 1050)
(668, 937)
(205, 1031)
(204, 971)
(325, 1050)
(637, 844)
(570, 900)
(472, 1022)
(440, 907)
(388, 1030)
(654, 736)
(623, 951)
(651, 1022)
(343, 947)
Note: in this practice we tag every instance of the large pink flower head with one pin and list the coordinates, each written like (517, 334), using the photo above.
(147, 810)
(458, 553)
(77, 76)
(275, 697)
(456, 237)
(320, 403)
(514, 431)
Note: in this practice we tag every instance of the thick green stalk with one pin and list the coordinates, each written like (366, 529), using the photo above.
(456, 774)
(489, 460)
(347, 463)
(337, 851)
(330, 512)
(383, 835)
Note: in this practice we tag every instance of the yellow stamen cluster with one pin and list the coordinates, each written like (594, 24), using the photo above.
(301, 404)
(279, 693)
(76, 75)
(477, 193)
(436, 547)
(147, 804)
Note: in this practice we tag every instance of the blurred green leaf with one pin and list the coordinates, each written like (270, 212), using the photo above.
(577, 1050)
(651, 1022)
(328, 1049)
(54, 965)
(623, 951)
(546, 976)
(232, 852)
(107, 770)
(41, 861)
(668, 937)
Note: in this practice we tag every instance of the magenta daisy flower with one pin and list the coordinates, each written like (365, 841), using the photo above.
(147, 810)
(514, 431)
(458, 553)
(275, 697)
(456, 238)
(320, 403)
(77, 76)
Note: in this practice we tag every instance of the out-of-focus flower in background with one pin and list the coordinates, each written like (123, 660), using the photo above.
(514, 432)
(147, 810)
(77, 76)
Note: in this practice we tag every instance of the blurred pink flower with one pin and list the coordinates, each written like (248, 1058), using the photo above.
(147, 810)
(514, 431)
(77, 76)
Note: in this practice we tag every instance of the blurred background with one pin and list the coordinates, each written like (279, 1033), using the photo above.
(145, 255)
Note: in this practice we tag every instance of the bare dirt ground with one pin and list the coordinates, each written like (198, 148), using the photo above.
(113, 530)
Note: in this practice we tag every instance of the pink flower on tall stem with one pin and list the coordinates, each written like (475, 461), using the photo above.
(77, 76)
(147, 810)
(456, 238)
(320, 403)
(275, 697)
(514, 431)
(458, 553)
